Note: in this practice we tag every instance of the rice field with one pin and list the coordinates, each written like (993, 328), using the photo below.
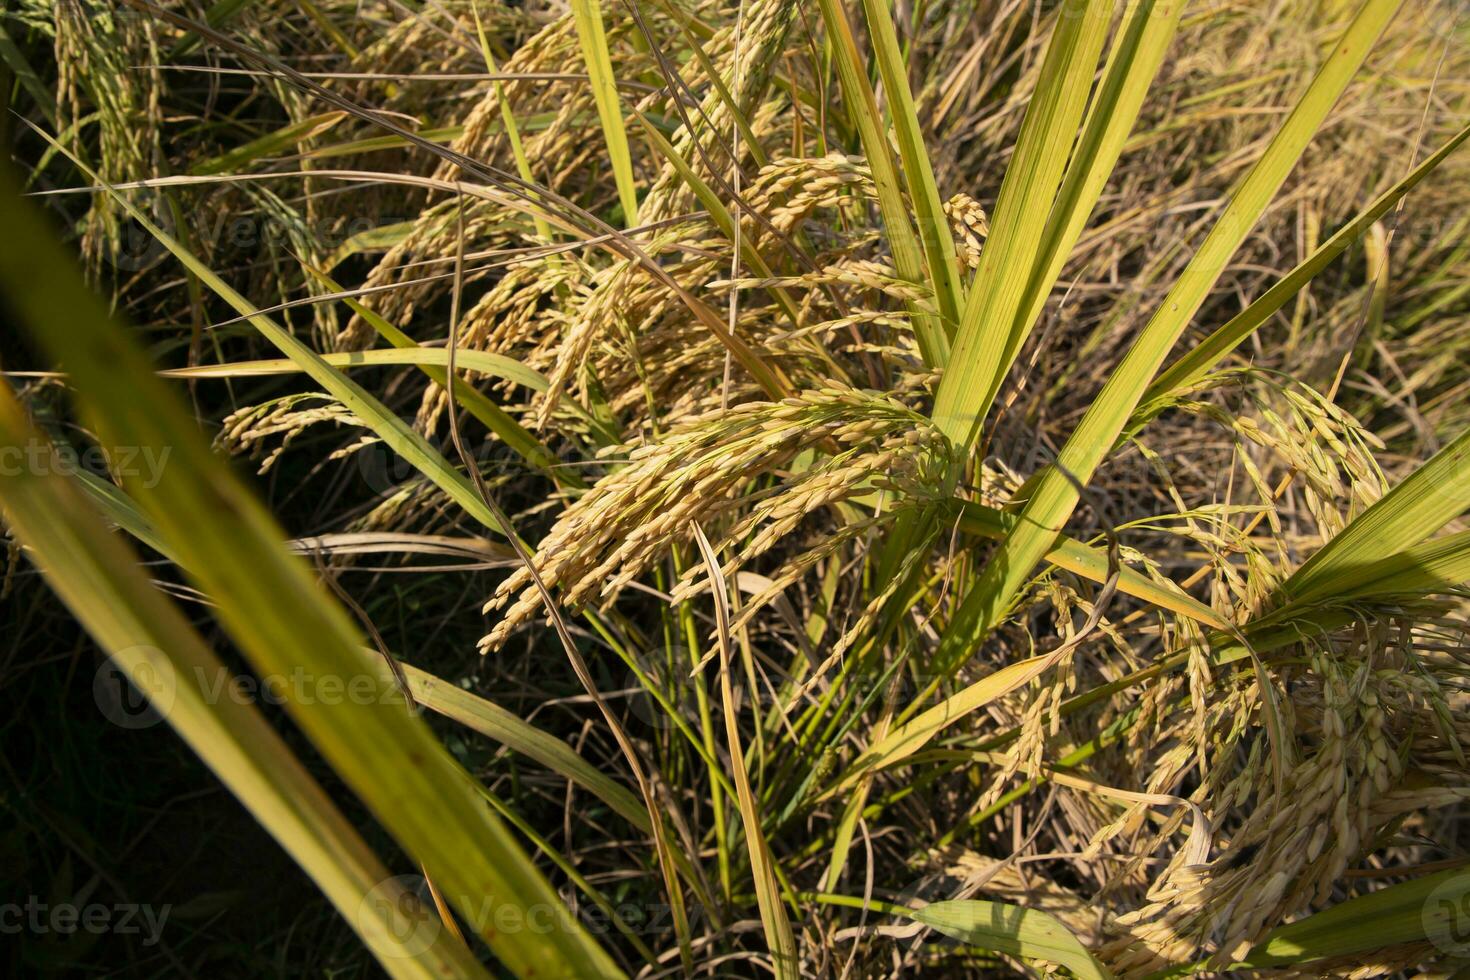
(665, 488)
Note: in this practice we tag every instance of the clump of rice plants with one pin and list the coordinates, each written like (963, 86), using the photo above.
(934, 489)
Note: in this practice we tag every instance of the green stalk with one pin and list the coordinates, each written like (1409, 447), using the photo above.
(1014, 244)
(933, 336)
(944, 273)
(1057, 491)
(1193, 366)
(272, 606)
(593, 38)
(102, 583)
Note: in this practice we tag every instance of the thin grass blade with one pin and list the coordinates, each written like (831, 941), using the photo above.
(593, 37)
(932, 333)
(1056, 493)
(1425, 501)
(934, 233)
(1013, 930)
(100, 580)
(396, 434)
(1013, 247)
(1194, 365)
(777, 926)
(270, 604)
(1132, 64)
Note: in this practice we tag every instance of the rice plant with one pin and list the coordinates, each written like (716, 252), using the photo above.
(954, 489)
